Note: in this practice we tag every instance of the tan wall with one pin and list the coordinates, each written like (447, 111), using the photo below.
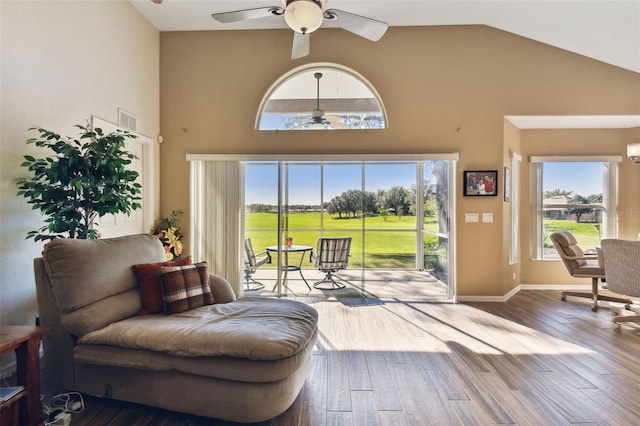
(592, 142)
(61, 63)
(445, 89)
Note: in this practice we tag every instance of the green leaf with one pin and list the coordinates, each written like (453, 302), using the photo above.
(83, 177)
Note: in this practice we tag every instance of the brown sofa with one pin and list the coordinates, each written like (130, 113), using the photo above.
(242, 360)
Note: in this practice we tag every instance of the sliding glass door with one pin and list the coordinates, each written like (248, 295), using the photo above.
(396, 213)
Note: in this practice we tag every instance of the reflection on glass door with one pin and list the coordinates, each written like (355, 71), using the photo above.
(261, 220)
(436, 225)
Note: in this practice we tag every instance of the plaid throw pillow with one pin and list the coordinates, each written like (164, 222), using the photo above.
(148, 275)
(185, 287)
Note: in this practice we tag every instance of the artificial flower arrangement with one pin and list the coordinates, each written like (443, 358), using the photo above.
(170, 234)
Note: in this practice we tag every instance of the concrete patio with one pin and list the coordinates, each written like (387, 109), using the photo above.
(385, 283)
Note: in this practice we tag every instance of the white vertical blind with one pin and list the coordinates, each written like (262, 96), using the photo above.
(217, 205)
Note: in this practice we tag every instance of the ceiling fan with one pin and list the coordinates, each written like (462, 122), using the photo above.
(306, 16)
(318, 119)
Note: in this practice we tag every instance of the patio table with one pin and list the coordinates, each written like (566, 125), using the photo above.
(286, 267)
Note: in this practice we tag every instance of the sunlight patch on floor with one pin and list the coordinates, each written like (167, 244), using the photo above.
(429, 327)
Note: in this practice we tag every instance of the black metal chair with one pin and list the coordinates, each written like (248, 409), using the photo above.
(331, 255)
(252, 261)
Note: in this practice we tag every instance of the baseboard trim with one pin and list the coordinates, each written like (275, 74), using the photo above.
(516, 290)
(561, 287)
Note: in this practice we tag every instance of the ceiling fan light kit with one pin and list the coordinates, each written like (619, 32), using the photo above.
(633, 152)
(303, 16)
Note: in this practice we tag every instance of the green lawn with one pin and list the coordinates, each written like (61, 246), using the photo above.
(586, 233)
(390, 243)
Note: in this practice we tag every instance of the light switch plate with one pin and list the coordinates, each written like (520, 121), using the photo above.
(487, 217)
(471, 217)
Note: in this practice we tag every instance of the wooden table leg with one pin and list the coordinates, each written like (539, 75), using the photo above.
(28, 375)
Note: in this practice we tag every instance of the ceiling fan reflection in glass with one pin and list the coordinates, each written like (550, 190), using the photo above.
(335, 121)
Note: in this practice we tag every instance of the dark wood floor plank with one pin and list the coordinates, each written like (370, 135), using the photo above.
(359, 379)
(566, 398)
(415, 409)
(365, 412)
(393, 418)
(486, 406)
(339, 418)
(419, 384)
(520, 412)
(385, 392)
(540, 408)
(338, 392)
(314, 412)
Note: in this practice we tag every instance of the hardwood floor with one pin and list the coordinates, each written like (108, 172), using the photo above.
(533, 360)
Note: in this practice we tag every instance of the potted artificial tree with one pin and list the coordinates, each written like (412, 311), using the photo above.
(84, 179)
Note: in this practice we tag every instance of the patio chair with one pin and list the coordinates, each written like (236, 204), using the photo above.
(622, 266)
(578, 265)
(252, 261)
(330, 256)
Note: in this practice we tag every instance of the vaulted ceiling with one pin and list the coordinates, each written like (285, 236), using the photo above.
(606, 30)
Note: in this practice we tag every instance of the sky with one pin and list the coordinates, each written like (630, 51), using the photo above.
(304, 180)
(581, 178)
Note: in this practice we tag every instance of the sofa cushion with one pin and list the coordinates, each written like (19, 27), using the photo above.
(251, 327)
(185, 287)
(219, 367)
(92, 280)
(148, 275)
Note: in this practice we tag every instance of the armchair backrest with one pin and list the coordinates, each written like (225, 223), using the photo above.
(622, 266)
(84, 285)
(249, 253)
(567, 247)
(332, 252)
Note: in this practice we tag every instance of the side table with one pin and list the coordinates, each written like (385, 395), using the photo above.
(25, 340)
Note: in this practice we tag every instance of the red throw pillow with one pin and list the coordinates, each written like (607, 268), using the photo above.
(185, 287)
(150, 285)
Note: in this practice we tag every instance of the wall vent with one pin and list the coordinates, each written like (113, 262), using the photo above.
(126, 120)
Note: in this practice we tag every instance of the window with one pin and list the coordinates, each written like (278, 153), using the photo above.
(576, 194)
(321, 96)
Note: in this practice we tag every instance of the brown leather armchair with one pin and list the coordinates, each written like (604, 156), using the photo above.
(581, 265)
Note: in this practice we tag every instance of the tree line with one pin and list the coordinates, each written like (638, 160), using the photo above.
(397, 200)
(579, 200)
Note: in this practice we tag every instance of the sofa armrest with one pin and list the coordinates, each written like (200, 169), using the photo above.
(221, 289)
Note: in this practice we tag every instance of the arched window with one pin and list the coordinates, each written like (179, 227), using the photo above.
(321, 96)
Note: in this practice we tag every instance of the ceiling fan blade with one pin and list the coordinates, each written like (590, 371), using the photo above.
(300, 46)
(244, 15)
(335, 123)
(360, 25)
(339, 125)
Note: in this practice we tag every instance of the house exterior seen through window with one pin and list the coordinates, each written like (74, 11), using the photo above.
(576, 195)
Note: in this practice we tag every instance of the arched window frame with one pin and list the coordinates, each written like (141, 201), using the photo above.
(320, 66)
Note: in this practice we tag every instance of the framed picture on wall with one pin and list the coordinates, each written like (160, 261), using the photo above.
(480, 183)
(507, 184)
